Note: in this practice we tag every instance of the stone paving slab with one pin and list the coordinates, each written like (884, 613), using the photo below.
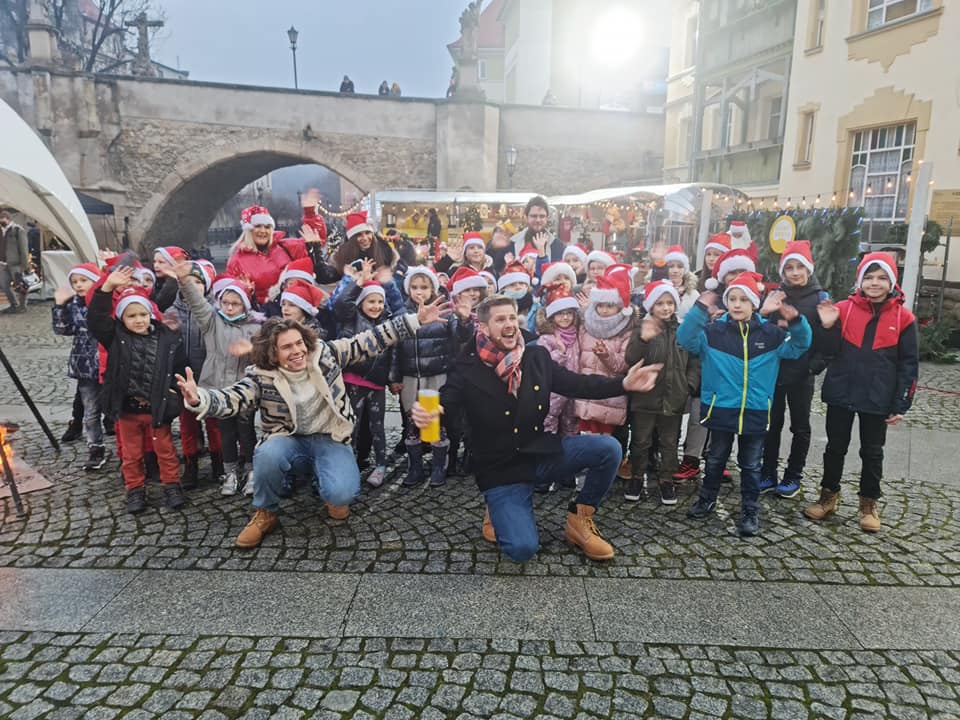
(56, 600)
(229, 603)
(470, 606)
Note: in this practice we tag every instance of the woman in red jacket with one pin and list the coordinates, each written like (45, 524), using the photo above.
(261, 254)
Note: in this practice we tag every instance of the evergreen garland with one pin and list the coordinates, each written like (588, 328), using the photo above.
(834, 236)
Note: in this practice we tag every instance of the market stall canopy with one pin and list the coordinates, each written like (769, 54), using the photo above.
(92, 206)
(32, 182)
(679, 200)
(444, 197)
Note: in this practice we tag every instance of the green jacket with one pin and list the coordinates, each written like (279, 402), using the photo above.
(679, 378)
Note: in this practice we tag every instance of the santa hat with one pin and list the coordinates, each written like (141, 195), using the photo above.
(527, 251)
(234, 286)
(553, 271)
(739, 234)
(558, 298)
(140, 272)
(202, 273)
(653, 291)
(464, 279)
(371, 287)
(884, 260)
(172, 254)
(304, 295)
(301, 269)
(220, 282)
(135, 296)
(87, 270)
(750, 283)
(718, 241)
(514, 272)
(736, 260)
(579, 251)
(797, 250)
(357, 223)
(601, 256)
(473, 238)
(255, 215)
(421, 270)
(613, 288)
(489, 277)
(618, 268)
(675, 253)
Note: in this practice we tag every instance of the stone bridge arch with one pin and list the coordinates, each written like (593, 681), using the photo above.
(187, 199)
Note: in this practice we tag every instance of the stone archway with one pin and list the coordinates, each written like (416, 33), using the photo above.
(188, 198)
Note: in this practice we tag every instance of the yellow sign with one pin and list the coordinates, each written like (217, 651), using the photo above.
(944, 207)
(782, 231)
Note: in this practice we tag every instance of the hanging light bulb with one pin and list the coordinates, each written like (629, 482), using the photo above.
(869, 188)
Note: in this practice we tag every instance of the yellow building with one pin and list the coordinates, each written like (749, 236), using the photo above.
(873, 92)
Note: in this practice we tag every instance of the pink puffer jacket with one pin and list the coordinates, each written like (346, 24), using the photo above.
(562, 418)
(614, 410)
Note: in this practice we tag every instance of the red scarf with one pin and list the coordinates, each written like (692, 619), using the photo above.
(505, 364)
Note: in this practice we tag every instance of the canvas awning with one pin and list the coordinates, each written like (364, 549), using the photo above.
(32, 182)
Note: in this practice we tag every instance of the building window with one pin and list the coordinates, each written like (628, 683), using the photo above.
(690, 43)
(818, 20)
(731, 138)
(773, 119)
(881, 12)
(805, 142)
(683, 140)
(481, 70)
(880, 166)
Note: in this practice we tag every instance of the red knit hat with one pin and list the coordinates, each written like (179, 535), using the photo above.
(676, 253)
(464, 279)
(357, 223)
(797, 250)
(653, 291)
(301, 269)
(736, 260)
(718, 241)
(255, 215)
(87, 270)
(750, 283)
(613, 288)
(304, 295)
(558, 298)
(473, 238)
(886, 262)
(514, 272)
(371, 287)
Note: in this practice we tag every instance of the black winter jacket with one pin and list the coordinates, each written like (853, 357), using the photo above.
(508, 436)
(805, 299)
(164, 399)
(353, 322)
(428, 353)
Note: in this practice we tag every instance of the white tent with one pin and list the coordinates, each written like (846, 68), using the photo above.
(32, 182)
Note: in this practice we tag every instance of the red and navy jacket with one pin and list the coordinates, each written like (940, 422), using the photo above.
(876, 357)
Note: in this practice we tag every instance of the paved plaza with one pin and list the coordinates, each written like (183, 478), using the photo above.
(403, 611)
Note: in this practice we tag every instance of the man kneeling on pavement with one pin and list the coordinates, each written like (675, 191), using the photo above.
(504, 387)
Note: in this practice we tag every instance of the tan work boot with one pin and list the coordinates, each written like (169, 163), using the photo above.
(489, 534)
(625, 471)
(262, 523)
(338, 512)
(582, 532)
(824, 507)
(869, 515)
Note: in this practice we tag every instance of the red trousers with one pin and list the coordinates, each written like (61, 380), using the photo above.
(147, 440)
(190, 434)
(130, 432)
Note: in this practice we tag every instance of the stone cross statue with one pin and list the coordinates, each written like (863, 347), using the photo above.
(143, 65)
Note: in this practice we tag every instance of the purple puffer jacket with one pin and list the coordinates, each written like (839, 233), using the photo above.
(562, 418)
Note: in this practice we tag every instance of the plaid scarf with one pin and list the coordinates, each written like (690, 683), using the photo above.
(505, 364)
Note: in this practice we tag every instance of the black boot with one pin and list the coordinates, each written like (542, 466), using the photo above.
(415, 474)
(438, 471)
(216, 467)
(452, 452)
(151, 467)
(137, 500)
(73, 433)
(190, 472)
(466, 467)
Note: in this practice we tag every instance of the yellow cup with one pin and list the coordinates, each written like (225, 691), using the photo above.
(430, 401)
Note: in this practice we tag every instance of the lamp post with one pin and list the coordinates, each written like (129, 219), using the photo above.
(293, 35)
(512, 153)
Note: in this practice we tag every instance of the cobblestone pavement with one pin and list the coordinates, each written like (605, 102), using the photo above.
(81, 524)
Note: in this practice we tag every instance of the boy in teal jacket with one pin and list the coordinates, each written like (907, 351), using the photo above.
(740, 356)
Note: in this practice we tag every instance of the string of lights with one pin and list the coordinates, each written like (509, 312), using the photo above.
(343, 213)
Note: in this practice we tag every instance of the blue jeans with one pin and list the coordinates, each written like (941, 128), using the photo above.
(90, 397)
(511, 506)
(749, 458)
(331, 462)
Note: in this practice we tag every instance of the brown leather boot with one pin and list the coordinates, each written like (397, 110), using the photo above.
(582, 532)
(869, 515)
(824, 507)
(338, 512)
(262, 523)
(489, 534)
(625, 471)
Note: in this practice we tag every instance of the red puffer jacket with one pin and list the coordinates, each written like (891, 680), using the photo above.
(263, 268)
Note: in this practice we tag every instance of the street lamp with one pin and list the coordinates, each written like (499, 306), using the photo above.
(293, 35)
(512, 153)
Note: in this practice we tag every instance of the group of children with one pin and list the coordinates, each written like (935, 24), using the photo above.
(735, 355)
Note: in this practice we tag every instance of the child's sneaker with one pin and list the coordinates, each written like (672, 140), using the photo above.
(248, 483)
(726, 477)
(689, 469)
(229, 486)
(749, 522)
(788, 488)
(636, 488)
(96, 458)
(376, 477)
(701, 508)
(768, 484)
(668, 493)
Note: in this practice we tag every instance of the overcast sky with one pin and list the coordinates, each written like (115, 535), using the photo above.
(245, 41)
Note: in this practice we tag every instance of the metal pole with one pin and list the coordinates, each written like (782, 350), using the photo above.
(12, 483)
(296, 84)
(706, 207)
(918, 218)
(28, 400)
(943, 275)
